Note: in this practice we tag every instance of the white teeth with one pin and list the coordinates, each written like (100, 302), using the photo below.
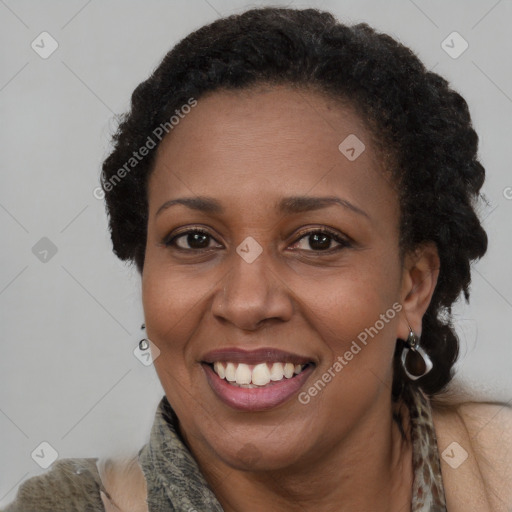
(230, 372)
(243, 374)
(289, 369)
(219, 369)
(261, 374)
(277, 372)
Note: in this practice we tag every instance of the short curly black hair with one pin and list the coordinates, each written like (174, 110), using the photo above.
(419, 123)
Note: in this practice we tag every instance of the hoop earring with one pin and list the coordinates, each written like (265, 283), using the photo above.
(415, 361)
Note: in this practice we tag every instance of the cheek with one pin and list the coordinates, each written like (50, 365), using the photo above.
(172, 310)
(172, 305)
(355, 312)
(356, 318)
(351, 298)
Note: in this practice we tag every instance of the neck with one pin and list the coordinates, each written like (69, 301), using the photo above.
(370, 469)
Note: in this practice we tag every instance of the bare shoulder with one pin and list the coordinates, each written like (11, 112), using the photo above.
(475, 444)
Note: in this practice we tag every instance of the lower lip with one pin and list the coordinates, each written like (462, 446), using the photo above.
(256, 399)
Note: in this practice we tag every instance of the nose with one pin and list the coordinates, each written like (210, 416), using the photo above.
(252, 295)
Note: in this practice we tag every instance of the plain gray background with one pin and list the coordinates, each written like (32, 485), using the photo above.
(70, 323)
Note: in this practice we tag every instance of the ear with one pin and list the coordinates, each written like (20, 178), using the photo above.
(419, 279)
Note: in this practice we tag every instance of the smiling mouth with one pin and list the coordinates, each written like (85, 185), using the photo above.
(256, 375)
(255, 380)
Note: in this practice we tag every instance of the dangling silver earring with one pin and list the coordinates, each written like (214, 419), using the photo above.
(143, 343)
(415, 360)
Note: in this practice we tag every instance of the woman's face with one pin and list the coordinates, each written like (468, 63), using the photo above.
(277, 280)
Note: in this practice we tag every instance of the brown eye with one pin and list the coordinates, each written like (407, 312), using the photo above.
(190, 240)
(321, 239)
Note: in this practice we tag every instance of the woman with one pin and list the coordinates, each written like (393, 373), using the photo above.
(299, 198)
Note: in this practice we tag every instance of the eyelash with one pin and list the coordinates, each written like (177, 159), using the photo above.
(344, 243)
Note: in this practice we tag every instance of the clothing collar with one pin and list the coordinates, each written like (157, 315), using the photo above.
(175, 483)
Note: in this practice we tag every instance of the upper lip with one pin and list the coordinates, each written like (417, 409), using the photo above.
(260, 355)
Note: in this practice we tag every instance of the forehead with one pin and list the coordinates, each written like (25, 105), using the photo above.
(265, 143)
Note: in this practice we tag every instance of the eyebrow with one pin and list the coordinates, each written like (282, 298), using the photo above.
(287, 205)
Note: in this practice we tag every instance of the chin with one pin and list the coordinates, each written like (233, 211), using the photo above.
(252, 457)
(270, 449)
